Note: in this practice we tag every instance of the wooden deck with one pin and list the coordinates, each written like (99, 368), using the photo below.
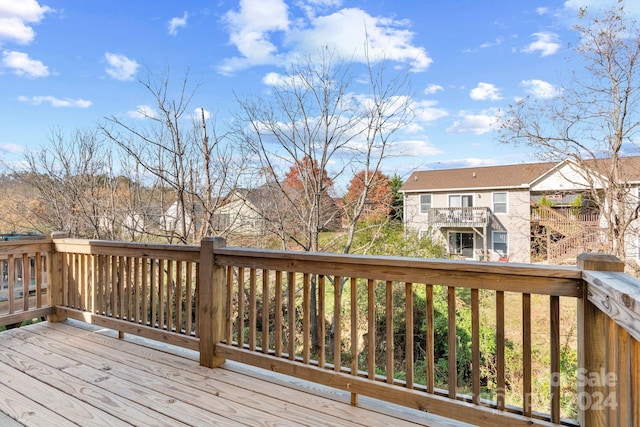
(61, 374)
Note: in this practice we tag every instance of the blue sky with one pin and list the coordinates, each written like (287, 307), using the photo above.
(68, 64)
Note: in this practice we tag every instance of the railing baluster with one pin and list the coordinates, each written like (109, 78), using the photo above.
(241, 307)
(178, 296)
(500, 346)
(136, 284)
(87, 277)
(291, 313)
(122, 287)
(265, 312)
(38, 279)
(371, 329)
(526, 354)
(353, 305)
(11, 277)
(252, 309)
(144, 271)
(389, 330)
(452, 342)
(162, 283)
(277, 313)
(229, 323)
(634, 383)
(322, 351)
(408, 352)
(475, 345)
(554, 335)
(430, 347)
(306, 317)
(611, 363)
(170, 294)
(623, 375)
(26, 279)
(337, 323)
(114, 286)
(153, 292)
(354, 333)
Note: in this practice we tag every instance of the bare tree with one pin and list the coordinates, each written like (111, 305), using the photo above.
(189, 166)
(317, 124)
(314, 129)
(74, 185)
(593, 120)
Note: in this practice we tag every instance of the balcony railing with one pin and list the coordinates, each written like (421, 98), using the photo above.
(458, 217)
(391, 328)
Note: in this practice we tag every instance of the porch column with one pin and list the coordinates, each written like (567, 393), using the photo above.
(212, 297)
(592, 341)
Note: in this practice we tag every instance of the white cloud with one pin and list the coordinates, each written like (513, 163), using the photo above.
(22, 65)
(540, 89)
(484, 92)
(542, 10)
(426, 111)
(197, 114)
(274, 79)
(477, 124)
(432, 88)
(546, 43)
(249, 30)
(142, 112)
(120, 67)
(15, 17)
(414, 148)
(263, 34)
(8, 147)
(55, 102)
(176, 23)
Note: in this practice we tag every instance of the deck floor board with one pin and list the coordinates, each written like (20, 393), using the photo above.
(59, 374)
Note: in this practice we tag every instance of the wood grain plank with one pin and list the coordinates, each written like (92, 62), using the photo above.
(181, 378)
(17, 410)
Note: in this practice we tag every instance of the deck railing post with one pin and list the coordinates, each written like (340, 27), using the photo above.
(211, 301)
(592, 344)
(55, 266)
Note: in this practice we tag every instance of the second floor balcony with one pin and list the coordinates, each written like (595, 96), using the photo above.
(459, 217)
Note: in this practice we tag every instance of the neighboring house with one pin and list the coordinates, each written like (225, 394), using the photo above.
(245, 211)
(264, 210)
(520, 213)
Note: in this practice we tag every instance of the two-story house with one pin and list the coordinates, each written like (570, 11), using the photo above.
(519, 213)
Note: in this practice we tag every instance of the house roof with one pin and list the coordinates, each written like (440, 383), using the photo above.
(506, 176)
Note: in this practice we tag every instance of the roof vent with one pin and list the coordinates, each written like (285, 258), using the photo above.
(474, 175)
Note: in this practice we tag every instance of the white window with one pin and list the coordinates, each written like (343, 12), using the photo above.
(425, 203)
(460, 200)
(500, 241)
(500, 203)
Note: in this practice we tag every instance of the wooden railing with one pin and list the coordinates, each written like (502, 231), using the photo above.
(458, 217)
(465, 340)
(573, 245)
(23, 288)
(143, 289)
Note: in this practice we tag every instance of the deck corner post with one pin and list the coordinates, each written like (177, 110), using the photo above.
(55, 261)
(592, 341)
(211, 301)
